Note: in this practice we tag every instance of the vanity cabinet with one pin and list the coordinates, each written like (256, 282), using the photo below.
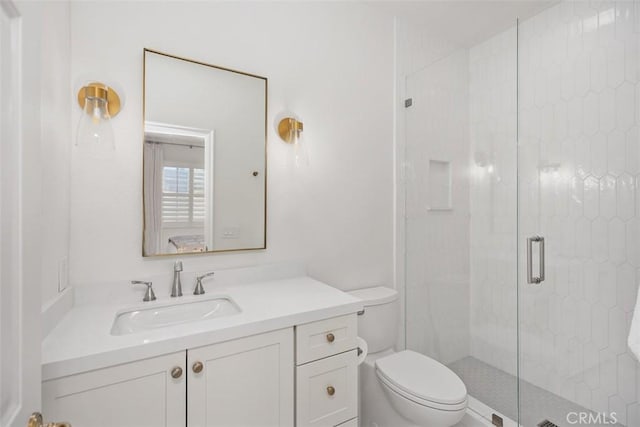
(304, 376)
(137, 394)
(245, 382)
(242, 382)
(327, 372)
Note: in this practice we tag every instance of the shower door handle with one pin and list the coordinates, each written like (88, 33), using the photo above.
(530, 276)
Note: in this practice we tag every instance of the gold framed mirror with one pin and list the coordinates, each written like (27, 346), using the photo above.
(204, 157)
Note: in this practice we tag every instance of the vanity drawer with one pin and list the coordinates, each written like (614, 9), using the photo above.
(327, 391)
(325, 338)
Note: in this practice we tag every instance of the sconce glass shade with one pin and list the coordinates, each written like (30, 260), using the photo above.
(95, 132)
(290, 131)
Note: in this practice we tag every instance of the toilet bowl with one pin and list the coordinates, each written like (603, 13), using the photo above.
(421, 389)
(405, 388)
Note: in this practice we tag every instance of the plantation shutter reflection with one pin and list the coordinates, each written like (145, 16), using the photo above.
(198, 206)
(182, 196)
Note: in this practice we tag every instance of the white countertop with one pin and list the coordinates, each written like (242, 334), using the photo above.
(82, 340)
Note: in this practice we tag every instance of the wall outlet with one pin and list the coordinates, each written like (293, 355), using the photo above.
(231, 233)
(63, 274)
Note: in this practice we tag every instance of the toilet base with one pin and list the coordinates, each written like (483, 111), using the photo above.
(375, 408)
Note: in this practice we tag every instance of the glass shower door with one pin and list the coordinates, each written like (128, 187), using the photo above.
(460, 161)
(578, 214)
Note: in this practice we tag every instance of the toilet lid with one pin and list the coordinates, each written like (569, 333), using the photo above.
(423, 377)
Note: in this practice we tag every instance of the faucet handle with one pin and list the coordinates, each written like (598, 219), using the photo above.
(199, 290)
(177, 266)
(149, 295)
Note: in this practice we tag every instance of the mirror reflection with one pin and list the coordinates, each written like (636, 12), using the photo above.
(204, 157)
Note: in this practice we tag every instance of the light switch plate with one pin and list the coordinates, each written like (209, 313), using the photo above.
(231, 233)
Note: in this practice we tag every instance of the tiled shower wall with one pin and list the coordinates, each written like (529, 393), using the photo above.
(579, 98)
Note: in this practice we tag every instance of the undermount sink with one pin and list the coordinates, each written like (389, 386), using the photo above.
(145, 319)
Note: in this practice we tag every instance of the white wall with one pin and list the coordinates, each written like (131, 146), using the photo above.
(55, 142)
(330, 63)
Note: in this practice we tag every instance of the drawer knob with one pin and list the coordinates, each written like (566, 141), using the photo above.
(331, 337)
(331, 391)
(176, 372)
(197, 367)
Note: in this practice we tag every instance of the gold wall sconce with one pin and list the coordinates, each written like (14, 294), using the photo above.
(289, 130)
(99, 103)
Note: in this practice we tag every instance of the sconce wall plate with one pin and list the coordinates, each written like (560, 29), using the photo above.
(289, 129)
(100, 90)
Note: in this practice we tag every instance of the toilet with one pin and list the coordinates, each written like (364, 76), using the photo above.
(405, 388)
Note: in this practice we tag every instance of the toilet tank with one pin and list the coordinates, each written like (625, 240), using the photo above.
(378, 325)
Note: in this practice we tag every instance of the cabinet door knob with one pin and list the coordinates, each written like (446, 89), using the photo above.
(197, 367)
(331, 337)
(331, 391)
(176, 372)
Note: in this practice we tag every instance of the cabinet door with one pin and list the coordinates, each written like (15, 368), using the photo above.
(137, 394)
(244, 382)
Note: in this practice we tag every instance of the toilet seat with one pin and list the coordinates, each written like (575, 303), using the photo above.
(422, 380)
(421, 402)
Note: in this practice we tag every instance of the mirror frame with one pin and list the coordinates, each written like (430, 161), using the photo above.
(144, 100)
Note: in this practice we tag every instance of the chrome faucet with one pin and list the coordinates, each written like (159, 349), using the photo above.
(199, 290)
(176, 289)
(148, 295)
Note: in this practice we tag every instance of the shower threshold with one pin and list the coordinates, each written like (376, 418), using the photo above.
(480, 415)
(493, 391)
